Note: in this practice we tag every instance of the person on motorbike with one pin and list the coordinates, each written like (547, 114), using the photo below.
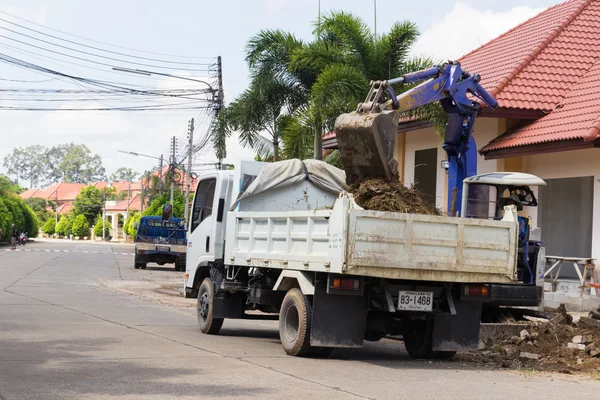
(14, 237)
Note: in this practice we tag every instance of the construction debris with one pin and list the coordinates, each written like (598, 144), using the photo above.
(557, 345)
(383, 195)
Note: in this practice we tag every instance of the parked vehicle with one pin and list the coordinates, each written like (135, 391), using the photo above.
(287, 238)
(160, 240)
(22, 239)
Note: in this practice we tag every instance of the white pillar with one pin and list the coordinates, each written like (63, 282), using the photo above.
(114, 223)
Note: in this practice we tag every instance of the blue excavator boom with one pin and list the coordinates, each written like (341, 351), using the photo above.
(367, 136)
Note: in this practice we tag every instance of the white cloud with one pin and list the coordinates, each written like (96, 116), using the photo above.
(464, 29)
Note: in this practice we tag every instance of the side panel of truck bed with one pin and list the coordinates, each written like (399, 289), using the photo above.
(296, 240)
(431, 248)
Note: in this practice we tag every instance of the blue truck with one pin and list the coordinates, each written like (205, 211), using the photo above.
(160, 240)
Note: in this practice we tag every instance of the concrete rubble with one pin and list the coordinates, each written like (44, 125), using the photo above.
(558, 344)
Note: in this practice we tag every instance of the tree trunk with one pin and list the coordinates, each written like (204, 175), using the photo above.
(275, 140)
(318, 151)
(275, 151)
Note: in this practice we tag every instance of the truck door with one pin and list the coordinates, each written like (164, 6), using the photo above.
(201, 249)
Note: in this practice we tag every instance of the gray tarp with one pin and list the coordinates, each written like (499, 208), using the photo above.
(289, 172)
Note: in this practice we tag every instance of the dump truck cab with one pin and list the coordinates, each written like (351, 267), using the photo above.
(160, 240)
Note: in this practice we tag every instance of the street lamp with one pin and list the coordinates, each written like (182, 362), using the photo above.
(133, 153)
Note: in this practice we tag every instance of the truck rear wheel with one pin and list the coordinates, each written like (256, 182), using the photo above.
(418, 340)
(294, 324)
(204, 310)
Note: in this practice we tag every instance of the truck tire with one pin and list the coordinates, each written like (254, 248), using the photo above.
(294, 324)
(180, 266)
(137, 263)
(418, 340)
(204, 309)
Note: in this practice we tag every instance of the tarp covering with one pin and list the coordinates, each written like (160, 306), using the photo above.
(290, 172)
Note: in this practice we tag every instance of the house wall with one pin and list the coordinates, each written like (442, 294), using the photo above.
(485, 130)
(570, 164)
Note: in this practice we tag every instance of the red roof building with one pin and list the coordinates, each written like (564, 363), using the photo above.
(545, 74)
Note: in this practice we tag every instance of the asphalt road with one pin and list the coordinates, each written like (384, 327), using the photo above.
(62, 336)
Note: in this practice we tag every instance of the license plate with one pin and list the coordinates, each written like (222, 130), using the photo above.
(415, 301)
(163, 248)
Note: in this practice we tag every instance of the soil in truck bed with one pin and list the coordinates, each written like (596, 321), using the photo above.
(384, 195)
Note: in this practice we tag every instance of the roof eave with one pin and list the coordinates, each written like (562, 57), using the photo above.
(540, 148)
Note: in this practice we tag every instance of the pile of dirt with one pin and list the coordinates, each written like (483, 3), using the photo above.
(384, 195)
(558, 345)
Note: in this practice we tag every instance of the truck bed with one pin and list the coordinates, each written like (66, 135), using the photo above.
(350, 240)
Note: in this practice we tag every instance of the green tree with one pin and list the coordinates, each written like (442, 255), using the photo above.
(50, 226)
(13, 210)
(7, 186)
(80, 165)
(26, 164)
(43, 209)
(331, 73)
(156, 206)
(129, 227)
(274, 92)
(81, 227)
(65, 225)
(124, 174)
(98, 227)
(90, 201)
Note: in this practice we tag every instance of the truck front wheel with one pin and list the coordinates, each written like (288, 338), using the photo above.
(206, 295)
(418, 340)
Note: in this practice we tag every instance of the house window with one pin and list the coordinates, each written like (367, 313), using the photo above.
(426, 173)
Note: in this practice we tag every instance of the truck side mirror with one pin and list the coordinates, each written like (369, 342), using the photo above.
(136, 225)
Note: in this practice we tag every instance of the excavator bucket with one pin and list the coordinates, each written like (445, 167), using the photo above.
(367, 145)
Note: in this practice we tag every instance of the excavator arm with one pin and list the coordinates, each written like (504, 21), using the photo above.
(367, 136)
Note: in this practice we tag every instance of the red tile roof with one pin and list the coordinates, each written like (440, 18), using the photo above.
(554, 68)
(66, 192)
(533, 65)
(134, 204)
(29, 193)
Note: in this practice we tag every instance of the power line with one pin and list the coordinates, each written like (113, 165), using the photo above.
(93, 47)
(99, 42)
(90, 61)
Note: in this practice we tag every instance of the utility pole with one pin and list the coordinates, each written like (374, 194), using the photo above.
(142, 194)
(57, 186)
(160, 176)
(375, 16)
(188, 172)
(173, 161)
(127, 212)
(220, 98)
(104, 216)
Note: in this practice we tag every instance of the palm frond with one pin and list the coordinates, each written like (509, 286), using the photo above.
(352, 34)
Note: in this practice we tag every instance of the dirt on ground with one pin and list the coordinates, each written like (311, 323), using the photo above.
(159, 289)
(384, 195)
(556, 345)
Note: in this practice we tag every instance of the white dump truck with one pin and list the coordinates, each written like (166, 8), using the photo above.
(287, 239)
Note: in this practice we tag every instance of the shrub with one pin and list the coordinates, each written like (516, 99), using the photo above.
(98, 227)
(81, 227)
(50, 226)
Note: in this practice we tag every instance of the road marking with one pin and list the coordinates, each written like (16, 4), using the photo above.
(67, 251)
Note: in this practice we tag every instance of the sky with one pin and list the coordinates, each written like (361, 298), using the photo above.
(203, 29)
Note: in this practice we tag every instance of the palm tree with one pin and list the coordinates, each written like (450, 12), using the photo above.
(274, 92)
(345, 56)
(298, 89)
